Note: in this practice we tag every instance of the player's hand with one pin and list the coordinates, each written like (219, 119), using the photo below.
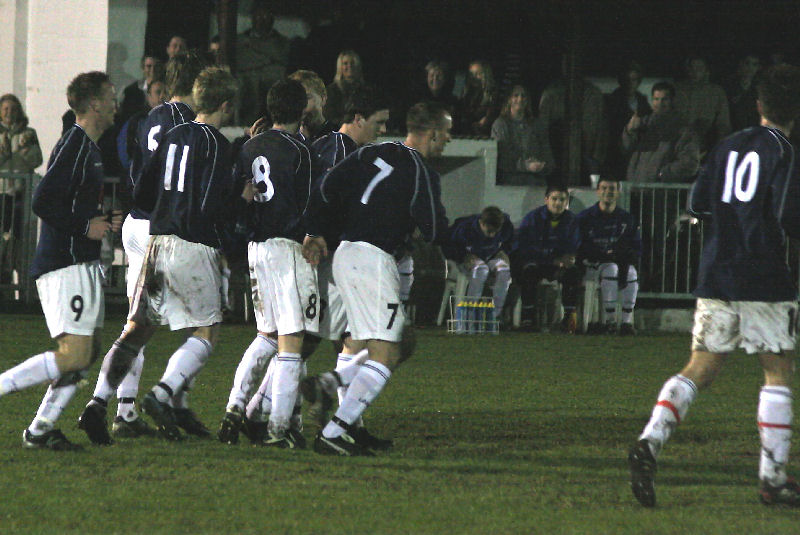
(259, 126)
(470, 260)
(501, 255)
(635, 123)
(116, 217)
(249, 191)
(314, 249)
(533, 165)
(98, 226)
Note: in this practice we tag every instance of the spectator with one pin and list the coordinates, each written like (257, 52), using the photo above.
(348, 78)
(621, 105)
(261, 58)
(702, 105)
(552, 113)
(545, 248)
(480, 244)
(661, 147)
(478, 107)
(313, 124)
(741, 92)
(213, 50)
(523, 149)
(177, 45)
(134, 94)
(126, 138)
(19, 152)
(439, 85)
(609, 247)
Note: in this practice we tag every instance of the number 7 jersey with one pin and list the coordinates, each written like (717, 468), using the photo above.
(380, 193)
(749, 190)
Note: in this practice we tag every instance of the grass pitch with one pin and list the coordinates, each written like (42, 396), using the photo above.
(521, 433)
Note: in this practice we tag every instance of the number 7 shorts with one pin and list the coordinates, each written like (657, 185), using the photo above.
(72, 299)
(284, 287)
(369, 282)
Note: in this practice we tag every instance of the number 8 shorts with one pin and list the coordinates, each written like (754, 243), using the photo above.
(369, 282)
(286, 285)
(72, 299)
(755, 326)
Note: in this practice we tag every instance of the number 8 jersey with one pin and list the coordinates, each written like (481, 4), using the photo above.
(381, 192)
(749, 189)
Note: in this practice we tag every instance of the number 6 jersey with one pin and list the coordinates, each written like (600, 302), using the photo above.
(749, 190)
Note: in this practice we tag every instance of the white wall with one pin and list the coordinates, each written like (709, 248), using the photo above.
(126, 25)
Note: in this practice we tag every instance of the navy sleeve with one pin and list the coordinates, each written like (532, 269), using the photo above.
(455, 246)
(699, 204)
(426, 205)
(507, 235)
(145, 191)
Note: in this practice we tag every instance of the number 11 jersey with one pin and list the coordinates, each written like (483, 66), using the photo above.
(749, 190)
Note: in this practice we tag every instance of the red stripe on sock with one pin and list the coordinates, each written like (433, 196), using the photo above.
(774, 426)
(670, 406)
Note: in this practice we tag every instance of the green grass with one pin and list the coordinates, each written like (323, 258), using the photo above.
(521, 433)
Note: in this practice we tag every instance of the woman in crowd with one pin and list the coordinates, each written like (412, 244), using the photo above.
(523, 149)
(348, 77)
(19, 153)
(478, 108)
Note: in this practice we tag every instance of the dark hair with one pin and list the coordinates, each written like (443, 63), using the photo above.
(212, 87)
(778, 90)
(182, 69)
(493, 217)
(556, 186)
(607, 178)
(425, 116)
(663, 86)
(84, 88)
(364, 102)
(20, 119)
(622, 75)
(286, 101)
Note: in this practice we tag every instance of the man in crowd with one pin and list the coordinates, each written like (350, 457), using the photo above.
(66, 265)
(545, 248)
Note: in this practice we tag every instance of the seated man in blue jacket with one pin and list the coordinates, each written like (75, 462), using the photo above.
(480, 244)
(545, 248)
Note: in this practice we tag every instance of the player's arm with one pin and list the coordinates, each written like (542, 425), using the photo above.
(427, 209)
(786, 198)
(218, 200)
(325, 199)
(506, 235)
(700, 195)
(52, 199)
(145, 191)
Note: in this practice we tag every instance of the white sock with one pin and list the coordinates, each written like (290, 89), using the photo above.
(366, 386)
(184, 364)
(296, 421)
(609, 290)
(260, 405)
(37, 369)
(775, 428)
(628, 295)
(129, 387)
(250, 370)
(284, 391)
(53, 404)
(349, 365)
(673, 403)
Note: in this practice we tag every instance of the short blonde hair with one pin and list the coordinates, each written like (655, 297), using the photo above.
(311, 82)
(213, 86)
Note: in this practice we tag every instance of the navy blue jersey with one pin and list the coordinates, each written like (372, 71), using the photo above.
(151, 129)
(610, 237)
(541, 239)
(68, 196)
(749, 191)
(381, 192)
(333, 148)
(466, 237)
(283, 169)
(187, 185)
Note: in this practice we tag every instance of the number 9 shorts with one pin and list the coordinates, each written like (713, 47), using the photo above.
(72, 299)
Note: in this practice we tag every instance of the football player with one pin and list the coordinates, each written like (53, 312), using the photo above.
(382, 192)
(66, 266)
(749, 193)
(182, 70)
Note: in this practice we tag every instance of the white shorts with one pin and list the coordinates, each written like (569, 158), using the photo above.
(262, 307)
(179, 285)
(755, 326)
(369, 282)
(72, 299)
(291, 285)
(332, 317)
(135, 239)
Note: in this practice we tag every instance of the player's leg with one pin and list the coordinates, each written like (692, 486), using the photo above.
(628, 295)
(528, 279)
(502, 280)
(405, 266)
(570, 279)
(609, 292)
(715, 334)
(477, 273)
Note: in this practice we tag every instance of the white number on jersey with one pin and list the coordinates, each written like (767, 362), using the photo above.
(735, 177)
(384, 170)
(170, 165)
(152, 144)
(260, 170)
